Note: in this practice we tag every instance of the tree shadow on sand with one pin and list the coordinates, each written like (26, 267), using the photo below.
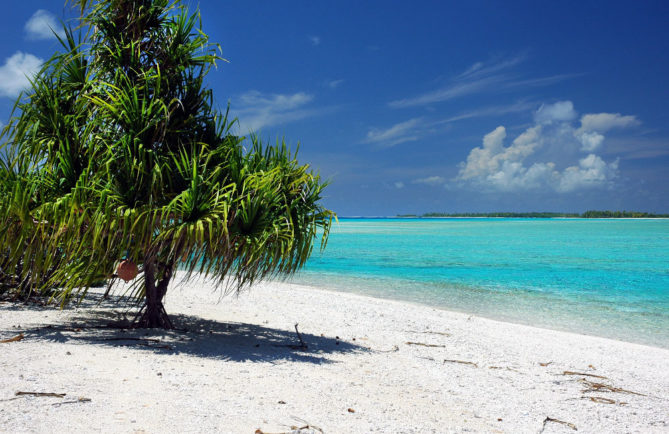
(194, 336)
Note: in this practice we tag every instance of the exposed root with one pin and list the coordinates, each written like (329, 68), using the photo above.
(148, 319)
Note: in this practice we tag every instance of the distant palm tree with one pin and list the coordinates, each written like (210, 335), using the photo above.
(116, 152)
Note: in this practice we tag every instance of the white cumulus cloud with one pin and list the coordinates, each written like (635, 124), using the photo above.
(15, 73)
(522, 165)
(591, 171)
(590, 134)
(488, 159)
(561, 111)
(42, 25)
(603, 122)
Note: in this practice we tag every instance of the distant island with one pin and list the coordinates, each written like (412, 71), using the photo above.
(586, 215)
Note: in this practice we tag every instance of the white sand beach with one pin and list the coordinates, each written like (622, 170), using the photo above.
(371, 365)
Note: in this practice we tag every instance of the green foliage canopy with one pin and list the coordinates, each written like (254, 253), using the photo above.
(117, 151)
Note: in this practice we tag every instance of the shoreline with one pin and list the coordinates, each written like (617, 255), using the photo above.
(494, 217)
(501, 317)
(398, 367)
(455, 312)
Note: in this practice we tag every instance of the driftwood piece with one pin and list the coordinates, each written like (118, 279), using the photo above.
(14, 339)
(462, 362)
(550, 419)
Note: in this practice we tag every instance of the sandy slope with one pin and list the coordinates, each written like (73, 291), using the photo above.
(234, 370)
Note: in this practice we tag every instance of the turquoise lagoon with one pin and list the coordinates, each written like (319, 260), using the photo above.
(603, 277)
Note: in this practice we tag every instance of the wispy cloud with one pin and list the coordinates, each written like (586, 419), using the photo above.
(486, 69)
(315, 40)
(407, 131)
(494, 75)
(15, 72)
(256, 110)
(333, 84)
(42, 25)
(498, 110)
(430, 180)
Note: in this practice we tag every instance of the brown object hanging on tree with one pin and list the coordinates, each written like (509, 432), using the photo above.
(127, 270)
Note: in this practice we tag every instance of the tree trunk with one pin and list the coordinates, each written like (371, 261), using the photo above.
(153, 314)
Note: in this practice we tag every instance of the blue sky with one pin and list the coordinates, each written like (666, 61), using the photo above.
(436, 106)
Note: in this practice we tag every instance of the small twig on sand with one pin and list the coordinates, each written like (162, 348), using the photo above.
(462, 362)
(303, 345)
(601, 387)
(583, 373)
(43, 394)
(14, 339)
(158, 341)
(426, 345)
(147, 342)
(306, 428)
(394, 349)
(430, 332)
(550, 419)
(503, 367)
(602, 400)
(80, 399)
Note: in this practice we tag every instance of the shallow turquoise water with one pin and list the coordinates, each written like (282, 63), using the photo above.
(600, 277)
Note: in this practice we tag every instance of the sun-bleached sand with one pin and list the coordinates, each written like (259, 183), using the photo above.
(371, 365)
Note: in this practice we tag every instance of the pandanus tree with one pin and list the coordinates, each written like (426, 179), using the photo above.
(117, 152)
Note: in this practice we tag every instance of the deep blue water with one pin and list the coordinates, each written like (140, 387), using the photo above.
(600, 277)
